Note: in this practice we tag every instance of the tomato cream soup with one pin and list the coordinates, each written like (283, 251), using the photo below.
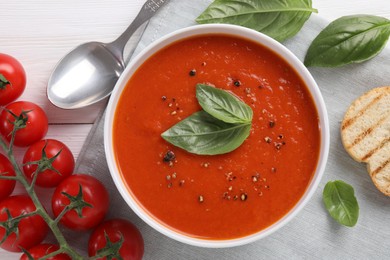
(222, 196)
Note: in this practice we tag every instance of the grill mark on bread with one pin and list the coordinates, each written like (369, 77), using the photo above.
(379, 169)
(380, 146)
(351, 120)
(366, 132)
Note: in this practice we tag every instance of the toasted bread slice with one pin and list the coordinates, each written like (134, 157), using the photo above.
(365, 133)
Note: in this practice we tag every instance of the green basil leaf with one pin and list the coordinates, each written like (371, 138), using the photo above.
(341, 203)
(223, 105)
(203, 134)
(349, 39)
(279, 19)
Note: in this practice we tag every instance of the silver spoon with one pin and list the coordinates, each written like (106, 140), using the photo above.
(88, 74)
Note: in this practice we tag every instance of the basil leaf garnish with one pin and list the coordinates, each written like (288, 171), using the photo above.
(349, 39)
(223, 105)
(279, 19)
(341, 203)
(202, 133)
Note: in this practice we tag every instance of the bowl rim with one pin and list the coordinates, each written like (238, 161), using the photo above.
(235, 31)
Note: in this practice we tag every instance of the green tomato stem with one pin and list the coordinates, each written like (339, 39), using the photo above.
(63, 212)
(34, 179)
(11, 178)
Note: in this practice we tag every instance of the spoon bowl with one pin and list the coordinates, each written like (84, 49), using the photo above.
(85, 76)
(89, 73)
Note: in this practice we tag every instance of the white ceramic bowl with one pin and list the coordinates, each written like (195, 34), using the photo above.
(243, 33)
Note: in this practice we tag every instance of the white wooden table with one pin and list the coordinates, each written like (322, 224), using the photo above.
(40, 32)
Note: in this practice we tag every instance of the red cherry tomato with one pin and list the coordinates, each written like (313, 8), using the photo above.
(44, 249)
(12, 79)
(6, 169)
(93, 193)
(63, 163)
(36, 126)
(31, 230)
(133, 243)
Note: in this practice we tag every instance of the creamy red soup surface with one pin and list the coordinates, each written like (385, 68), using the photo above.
(225, 196)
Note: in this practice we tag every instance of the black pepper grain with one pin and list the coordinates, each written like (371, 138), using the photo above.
(169, 156)
(192, 72)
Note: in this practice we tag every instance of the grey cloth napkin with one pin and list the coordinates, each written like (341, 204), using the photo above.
(312, 233)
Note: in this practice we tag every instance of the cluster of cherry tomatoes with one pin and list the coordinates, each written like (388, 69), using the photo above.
(49, 163)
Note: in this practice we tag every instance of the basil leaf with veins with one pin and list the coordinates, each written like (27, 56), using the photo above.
(349, 39)
(279, 19)
(203, 134)
(223, 105)
(341, 203)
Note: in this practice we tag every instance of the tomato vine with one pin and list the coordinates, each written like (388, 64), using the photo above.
(11, 223)
(40, 210)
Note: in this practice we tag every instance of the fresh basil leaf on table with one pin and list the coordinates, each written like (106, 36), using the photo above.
(223, 105)
(349, 39)
(341, 203)
(203, 134)
(279, 19)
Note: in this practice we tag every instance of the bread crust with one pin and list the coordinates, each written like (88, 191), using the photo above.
(365, 134)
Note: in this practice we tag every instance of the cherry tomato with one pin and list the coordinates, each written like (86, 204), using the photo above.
(44, 249)
(36, 126)
(31, 230)
(133, 243)
(6, 169)
(93, 192)
(12, 79)
(55, 171)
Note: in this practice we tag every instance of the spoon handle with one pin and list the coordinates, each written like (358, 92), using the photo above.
(147, 11)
